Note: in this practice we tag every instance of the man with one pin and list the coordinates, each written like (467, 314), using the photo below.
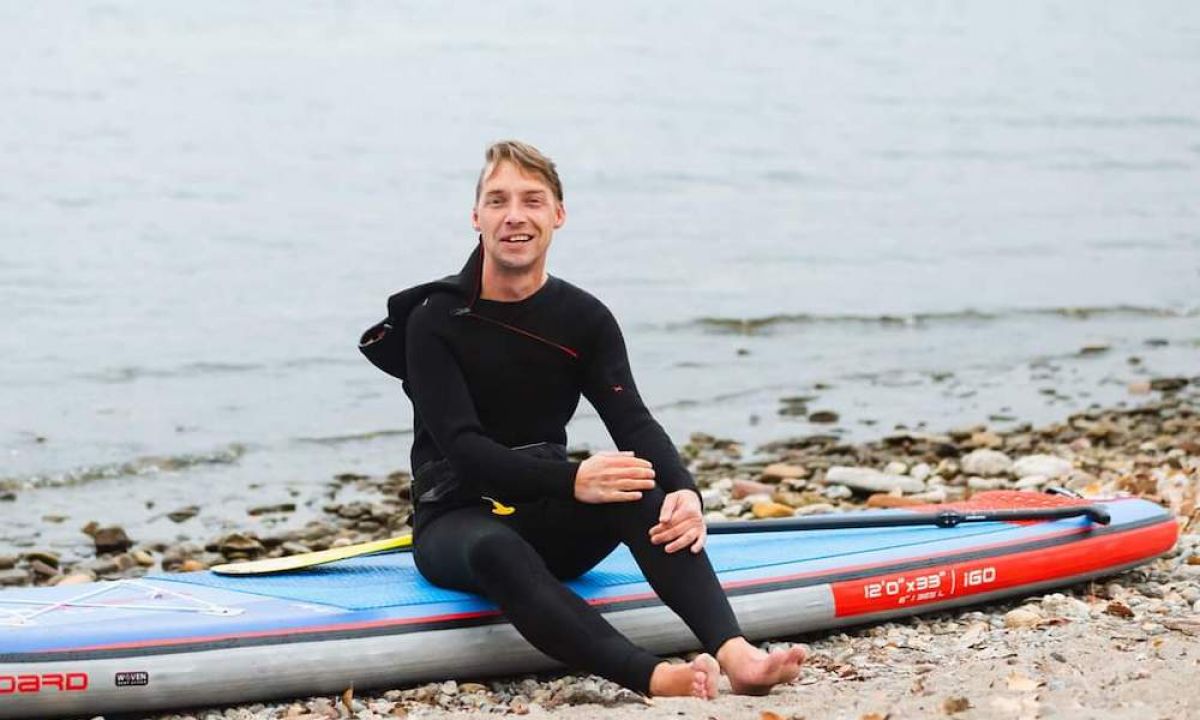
(495, 360)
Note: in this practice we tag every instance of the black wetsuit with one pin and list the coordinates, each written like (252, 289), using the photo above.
(493, 385)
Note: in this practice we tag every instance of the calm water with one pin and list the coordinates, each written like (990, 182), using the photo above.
(203, 204)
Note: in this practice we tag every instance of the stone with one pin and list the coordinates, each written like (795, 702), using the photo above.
(823, 416)
(192, 565)
(887, 500)
(13, 576)
(1022, 617)
(1168, 384)
(1032, 482)
(239, 545)
(814, 509)
(921, 471)
(771, 510)
(784, 471)
(1139, 387)
(143, 558)
(286, 507)
(745, 488)
(838, 492)
(182, 514)
(985, 439)
(111, 540)
(75, 578)
(44, 556)
(986, 463)
(872, 481)
(42, 569)
(895, 467)
(7, 562)
(1047, 465)
(980, 483)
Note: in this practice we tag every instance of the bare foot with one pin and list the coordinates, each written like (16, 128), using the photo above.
(754, 672)
(697, 679)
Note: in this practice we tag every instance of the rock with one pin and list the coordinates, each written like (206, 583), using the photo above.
(814, 509)
(784, 471)
(985, 439)
(872, 481)
(1095, 349)
(42, 569)
(1022, 617)
(980, 483)
(1064, 606)
(277, 508)
(823, 416)
(744, 488)
(986, 463)
(1047, 465)
(143, 558)
(1032, 482)
(895, 467)
(713, 498)
(887, 500)
(1168, 384)
(292, 547)
(771, 510)
(44, 556)
(237, 545)
(954, 705)
(111, 540)
(183, 514)
(838, 492)
(75, 578)
(13, 576)
(1139, 387)
(921, 471)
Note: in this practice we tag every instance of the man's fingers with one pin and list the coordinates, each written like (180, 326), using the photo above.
(622, 496)
(699, 544)
(682, 541)
(668, 508)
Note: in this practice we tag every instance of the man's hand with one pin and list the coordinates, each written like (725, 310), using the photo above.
(680, 523)
(613, 477)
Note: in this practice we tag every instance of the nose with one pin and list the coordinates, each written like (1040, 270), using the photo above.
(513, 214)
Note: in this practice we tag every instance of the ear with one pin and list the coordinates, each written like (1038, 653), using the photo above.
(475, 219)
(560, 215)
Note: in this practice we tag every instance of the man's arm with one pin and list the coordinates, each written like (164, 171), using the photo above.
(441, 399)
(609, 387)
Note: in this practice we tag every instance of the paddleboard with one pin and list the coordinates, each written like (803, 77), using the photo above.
(201, 639)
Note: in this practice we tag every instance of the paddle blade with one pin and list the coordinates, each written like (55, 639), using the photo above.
(304, 560)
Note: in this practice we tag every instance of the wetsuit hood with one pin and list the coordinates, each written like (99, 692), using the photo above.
(383, 342)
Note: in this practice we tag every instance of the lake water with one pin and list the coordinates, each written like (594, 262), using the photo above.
(913, 214)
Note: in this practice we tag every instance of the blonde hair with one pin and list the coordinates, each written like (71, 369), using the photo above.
(524, 156)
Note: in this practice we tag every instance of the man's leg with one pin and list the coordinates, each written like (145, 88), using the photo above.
(686, 582)
(470, 549)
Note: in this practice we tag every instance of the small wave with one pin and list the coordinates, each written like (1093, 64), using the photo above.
(133, 373)
(353, 437)
(768, 323)
(147, 465)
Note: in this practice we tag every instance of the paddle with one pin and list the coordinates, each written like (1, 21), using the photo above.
(320, 557)
(940, 518)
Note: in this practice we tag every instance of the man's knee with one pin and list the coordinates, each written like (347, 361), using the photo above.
(499, 552)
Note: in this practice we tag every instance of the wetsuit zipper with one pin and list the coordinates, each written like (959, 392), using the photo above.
(467, 312)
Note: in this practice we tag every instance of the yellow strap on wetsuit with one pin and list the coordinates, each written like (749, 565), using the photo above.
(499, 508)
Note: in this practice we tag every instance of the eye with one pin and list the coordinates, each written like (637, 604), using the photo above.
(495, 201)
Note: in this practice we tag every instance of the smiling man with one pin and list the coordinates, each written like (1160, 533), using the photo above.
(495, 360)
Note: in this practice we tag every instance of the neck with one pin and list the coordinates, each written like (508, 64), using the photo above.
(508, 285)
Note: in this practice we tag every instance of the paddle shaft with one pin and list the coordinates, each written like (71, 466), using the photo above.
(941, 518)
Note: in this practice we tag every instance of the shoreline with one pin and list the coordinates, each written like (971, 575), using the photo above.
(902, 668)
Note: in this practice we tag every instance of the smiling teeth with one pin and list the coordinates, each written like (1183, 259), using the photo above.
(519, 238)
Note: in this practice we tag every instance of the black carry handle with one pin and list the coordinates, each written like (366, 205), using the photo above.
(942, 518)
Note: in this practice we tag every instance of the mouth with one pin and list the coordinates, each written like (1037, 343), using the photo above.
(516, 239)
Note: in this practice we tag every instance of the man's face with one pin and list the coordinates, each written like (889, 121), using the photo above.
(517, 215)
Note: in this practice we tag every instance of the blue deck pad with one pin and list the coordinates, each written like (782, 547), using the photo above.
(391, 580)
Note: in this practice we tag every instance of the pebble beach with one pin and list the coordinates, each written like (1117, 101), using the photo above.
(1117, 647)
